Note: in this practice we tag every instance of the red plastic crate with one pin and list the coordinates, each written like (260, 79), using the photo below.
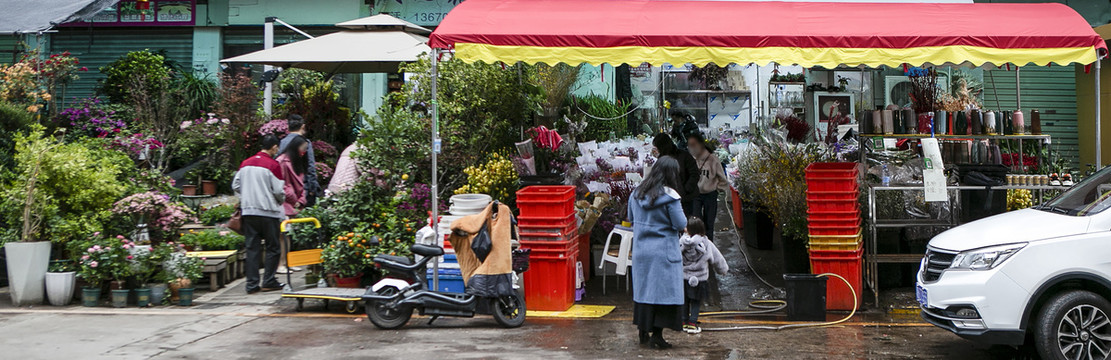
(547, 226)
(541, 237)
(546, 208)
(832, 215)
(833, 169)
(546, 220)
(832, 195)
(550, 280)
(831, 205)
(847, 264)
(830, 184)
(820, 228)
(549, 247)
(546, 193)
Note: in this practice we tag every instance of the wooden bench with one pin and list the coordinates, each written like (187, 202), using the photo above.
(218, 265)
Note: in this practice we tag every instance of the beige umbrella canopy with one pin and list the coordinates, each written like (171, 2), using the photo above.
(375, 44)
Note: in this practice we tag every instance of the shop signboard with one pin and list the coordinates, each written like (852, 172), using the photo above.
(153, 13)
(420, 12)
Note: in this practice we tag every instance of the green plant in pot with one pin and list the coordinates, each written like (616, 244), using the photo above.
(60, 282)
(346, 257)
(181, 271)
(103, 259)
(146, 264)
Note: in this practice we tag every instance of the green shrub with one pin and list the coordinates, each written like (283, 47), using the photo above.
(13, 120)
(217, 214)
(146, 65)
(604, 119)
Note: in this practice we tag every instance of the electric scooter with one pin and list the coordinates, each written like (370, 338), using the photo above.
(391, 301)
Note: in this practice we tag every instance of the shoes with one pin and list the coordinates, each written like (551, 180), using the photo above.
(296, 269)
(282, 270)
(1066, 180)
(691, 328)
(644, 337)
(253, 291)
(275, 287)
(657, 342)
(1054, 180)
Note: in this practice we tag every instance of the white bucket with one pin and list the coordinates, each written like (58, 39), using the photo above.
(469, 204)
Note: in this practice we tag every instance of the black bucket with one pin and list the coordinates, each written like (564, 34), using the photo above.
(806, 297)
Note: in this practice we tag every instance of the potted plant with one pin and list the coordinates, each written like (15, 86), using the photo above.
(212, 240)
(145, 267)
(28, 258)
(60, 281)
(161, 215)
(345, 258)
(95, 266)
(181, 271)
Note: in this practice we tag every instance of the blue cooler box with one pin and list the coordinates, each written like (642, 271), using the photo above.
(451, 280)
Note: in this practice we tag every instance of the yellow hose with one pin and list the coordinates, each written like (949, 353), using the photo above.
(779, 305)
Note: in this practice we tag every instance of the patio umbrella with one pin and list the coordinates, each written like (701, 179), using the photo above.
(375, 44)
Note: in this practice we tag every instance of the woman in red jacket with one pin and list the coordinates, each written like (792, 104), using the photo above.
(294, 164)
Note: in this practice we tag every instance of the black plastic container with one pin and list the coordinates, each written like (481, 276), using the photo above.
(806, 297)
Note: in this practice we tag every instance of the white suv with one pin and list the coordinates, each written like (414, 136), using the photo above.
(1040, 275)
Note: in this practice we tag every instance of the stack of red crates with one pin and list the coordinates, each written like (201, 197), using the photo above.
(548, 226)
(835, 230)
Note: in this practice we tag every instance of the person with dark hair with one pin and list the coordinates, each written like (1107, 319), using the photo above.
(261, 190)
(682, 126)
(688, 170)
(312, 184)
(711, 178)
(698, 255)
(657, 218)
(294, 164)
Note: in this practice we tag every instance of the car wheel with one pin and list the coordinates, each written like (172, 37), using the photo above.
(1074, 325)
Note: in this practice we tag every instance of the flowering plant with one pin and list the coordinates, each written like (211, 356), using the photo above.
(179, 265)
(278, 127)
(497, 178)
(324, 172)
(33, 80)
(106, 258)
(347, 255)
(135, 144)
(324, 150)
(159, 212)
(147, 262)
(89, 118)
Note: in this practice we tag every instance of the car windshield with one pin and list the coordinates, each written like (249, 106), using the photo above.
(1090, 196)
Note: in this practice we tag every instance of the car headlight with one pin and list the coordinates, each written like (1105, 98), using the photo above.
(985, 258)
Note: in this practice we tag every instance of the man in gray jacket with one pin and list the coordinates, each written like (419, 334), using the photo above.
(261, 191)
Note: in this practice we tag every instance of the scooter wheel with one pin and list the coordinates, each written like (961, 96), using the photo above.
(352, 307)
(384, 317)
(509, 311)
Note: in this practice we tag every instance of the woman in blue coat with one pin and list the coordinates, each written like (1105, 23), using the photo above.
(657, 216)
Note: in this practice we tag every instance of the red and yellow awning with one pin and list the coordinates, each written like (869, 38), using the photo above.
(807, 34)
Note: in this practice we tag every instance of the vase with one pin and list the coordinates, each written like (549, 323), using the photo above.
(90, 296)
(989, 123)
(185, 297)
(176, 286)
(925, 123)
(60, 286)
(1035, 122)
(142, 297)
(208, 187)
(353, 282)
(976, 122)
(864, 126)
(157, 293)
(189, 190)
(1018, 122)
(941, 122)
(27, 264)
(877, 122)
(119, 298)
(910, 121)
(960, 123)
(1008, 127)
(888, 122)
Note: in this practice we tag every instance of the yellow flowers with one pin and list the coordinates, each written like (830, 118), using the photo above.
(1018, 199)
(497, 178)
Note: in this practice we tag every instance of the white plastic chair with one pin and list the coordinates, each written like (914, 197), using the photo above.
(621, 257)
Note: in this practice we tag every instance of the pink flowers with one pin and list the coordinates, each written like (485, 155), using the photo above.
(129, 257)
(85, 257)
(224, 233)
(93, 264)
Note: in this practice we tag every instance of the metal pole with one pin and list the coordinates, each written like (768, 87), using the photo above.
(268, 43)
(1099, 118)
(1018, 87)
(435, 173)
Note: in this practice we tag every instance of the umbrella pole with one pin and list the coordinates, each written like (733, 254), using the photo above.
(435, 173)
(1099, 118)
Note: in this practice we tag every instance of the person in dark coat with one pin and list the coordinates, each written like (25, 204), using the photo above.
(688, 171)
(657, 218)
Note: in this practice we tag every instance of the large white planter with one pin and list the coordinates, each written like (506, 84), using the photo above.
(27, 263)
(59, 287)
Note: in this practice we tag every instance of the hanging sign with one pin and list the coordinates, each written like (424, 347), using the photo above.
(933, 173)
(144, 13)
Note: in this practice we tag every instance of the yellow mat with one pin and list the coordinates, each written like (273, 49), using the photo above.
(576, 311)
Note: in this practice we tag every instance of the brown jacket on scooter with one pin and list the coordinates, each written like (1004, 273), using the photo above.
(487, 267)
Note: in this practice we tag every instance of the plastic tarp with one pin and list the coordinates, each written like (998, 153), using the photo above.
(23, 16)
(804, 33)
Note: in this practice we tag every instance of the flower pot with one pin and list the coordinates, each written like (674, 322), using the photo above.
(119, 298)
(59, 287)
(353, 282)
(157, 293)
(208, 187)
(941, 122)
(176, 286)
(142, 297)
(186, 297)
(758, 228)
(27, 264)
(90, 296)
(189, 190)
(795, 258)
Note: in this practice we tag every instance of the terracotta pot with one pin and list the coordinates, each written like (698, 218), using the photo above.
(209, 187)
(176, 285)
(189, 190)
(353, 282)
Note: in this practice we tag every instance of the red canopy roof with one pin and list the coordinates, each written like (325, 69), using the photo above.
(635, 31)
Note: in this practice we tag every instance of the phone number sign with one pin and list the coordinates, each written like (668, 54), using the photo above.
(420, 12)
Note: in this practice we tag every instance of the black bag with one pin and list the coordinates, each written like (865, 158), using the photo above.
(976, 178)
(481, 244)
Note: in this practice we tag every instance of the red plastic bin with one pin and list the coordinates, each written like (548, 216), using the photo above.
(546, 220)
(832, 195)
(542, 237)
(550, 280)
(546, 193)
(831, 205)
(549, 247)
(833, 169)
(847, 264)
(546, 208)
(830, 184)
(820, 228)
(832, 215)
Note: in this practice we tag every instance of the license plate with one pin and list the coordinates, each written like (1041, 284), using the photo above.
(920, 294)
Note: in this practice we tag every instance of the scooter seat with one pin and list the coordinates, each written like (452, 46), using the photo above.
(426, 250)
(396, 259)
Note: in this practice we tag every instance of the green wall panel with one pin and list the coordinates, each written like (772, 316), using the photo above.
(1051, 90)
(98, 47)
